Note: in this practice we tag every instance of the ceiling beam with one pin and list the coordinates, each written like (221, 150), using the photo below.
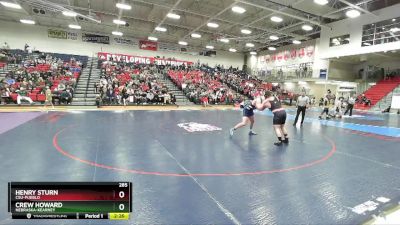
(357, 7)
(155, 22)
(270, 30)
(55, 7)
(284, 13)
(170, 11)
(271, 14)
(348, 7)
(211, 18)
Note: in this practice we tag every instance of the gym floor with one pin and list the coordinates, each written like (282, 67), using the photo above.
(329, 173)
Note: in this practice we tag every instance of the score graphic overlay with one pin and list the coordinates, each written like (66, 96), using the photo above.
(70, 200)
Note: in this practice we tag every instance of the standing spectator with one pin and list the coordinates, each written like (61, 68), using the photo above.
(49, 98)
(26, 47)
(302, 103)
(23, 95)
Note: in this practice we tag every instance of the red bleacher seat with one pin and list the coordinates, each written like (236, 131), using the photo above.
(33, 96)
(14, 96)
(41, 97)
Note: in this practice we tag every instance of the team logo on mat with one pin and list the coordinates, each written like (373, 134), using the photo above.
(198, 127)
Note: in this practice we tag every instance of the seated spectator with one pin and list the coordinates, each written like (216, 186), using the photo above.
(23, 95)
(150, 97)
(66, 97)
(387, 110)
(110, 95)
(5, 95)
(98, 101)
(365, 100)
(61, 86)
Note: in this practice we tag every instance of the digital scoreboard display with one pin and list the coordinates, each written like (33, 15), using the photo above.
(70, 200)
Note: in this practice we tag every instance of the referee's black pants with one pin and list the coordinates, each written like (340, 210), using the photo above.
(301, 109)
(349, 108)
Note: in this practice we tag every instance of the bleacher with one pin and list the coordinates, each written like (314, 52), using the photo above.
(379, 91)
(37, 94)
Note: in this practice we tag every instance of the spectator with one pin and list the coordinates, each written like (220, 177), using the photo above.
(110, 95)
(66, 97)
(365, 100)
(5, 95)
(6, 46)
(23, 95)
(49, 98)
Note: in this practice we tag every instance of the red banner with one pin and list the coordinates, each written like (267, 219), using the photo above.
(148, 45)
(293, 54)
(140, 59)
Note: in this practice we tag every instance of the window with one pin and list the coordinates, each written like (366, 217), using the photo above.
(339, 40)
(383, 32)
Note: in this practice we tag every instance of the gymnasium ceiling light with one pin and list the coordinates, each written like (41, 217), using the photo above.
(232, 50)
(10, 5)
(271, 48)
(162, 29)
(246, 31)
(273, 37)
(224, 40)
(249, 45)
(27, 21)
(253, 53)
(276, 19)
(69, 13)
(209, 47)
(195, 35)
(173, 16)
(212, 25)
(296, 42)
(151, 38)
(352, 13)
(74, 26)
(119, 22)
(183, 43)
(123, 6)
(117, 33)
(394, 29)
(306, 27)
(321, 2)
(238, 9)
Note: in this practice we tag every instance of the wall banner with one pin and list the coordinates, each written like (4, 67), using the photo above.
(61, 34)
(125, 41)
(288, 57)
(95, 38)
(141, 59)
(148, 45)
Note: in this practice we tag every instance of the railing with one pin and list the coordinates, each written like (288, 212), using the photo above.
(90, 75)
(384, 101)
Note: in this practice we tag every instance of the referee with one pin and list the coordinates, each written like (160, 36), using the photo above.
(350, 105)
(302, 103)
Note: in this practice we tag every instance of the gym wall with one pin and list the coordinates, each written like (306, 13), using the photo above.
(17, 34)
(354, 28)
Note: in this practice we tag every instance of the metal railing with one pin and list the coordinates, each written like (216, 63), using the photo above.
(90, 75)
(387, 99)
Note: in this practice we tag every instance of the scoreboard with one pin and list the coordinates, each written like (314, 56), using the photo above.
(70, 200)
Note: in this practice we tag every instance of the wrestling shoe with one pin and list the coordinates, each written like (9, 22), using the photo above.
(252, 133)
(231, 132)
